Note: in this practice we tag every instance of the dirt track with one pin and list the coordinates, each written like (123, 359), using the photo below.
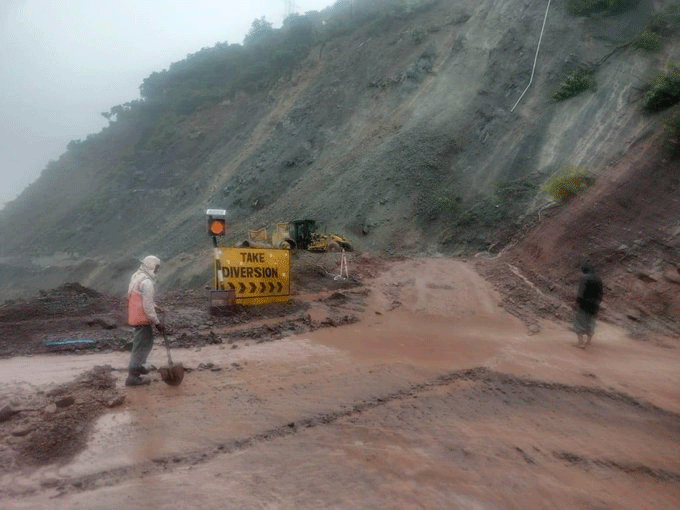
(432, 396)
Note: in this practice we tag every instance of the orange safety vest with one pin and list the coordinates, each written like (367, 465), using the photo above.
(136, 315)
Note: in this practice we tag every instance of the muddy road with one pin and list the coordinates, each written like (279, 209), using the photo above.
(409, 387)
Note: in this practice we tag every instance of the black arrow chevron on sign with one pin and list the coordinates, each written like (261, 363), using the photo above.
(252, 287)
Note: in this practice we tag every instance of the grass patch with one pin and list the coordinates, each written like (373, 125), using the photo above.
(671, 141)
(417, 35)
(647, 41)
(450, 204)
(575, 83)
(667, 20)
(508, 200)
(663, 91)
(508, 194)
(567, 183)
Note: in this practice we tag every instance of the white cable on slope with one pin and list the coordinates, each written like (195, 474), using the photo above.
(535, 58)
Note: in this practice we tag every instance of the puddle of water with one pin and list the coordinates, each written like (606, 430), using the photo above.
(428, 340)
(45, 370)
(107, 448)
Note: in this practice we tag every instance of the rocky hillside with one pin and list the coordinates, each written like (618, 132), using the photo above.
(408, 131)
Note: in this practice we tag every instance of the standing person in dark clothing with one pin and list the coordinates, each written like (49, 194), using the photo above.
(587, 304)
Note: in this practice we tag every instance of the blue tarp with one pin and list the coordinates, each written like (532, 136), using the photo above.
(71, 342)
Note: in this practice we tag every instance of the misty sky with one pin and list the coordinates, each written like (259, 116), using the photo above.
(63, 62)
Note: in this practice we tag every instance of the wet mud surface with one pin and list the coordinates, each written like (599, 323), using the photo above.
(413, 387)
(52, 426)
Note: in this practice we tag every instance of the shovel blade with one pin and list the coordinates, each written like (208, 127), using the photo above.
(172, 374)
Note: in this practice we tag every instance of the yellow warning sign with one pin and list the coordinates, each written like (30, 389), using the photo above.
(256, 275)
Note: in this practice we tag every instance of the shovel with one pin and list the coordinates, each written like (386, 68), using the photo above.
(171, 374)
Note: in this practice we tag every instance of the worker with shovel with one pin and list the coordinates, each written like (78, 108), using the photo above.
(142, 315)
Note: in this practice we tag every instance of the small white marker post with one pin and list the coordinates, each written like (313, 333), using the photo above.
(344, 274)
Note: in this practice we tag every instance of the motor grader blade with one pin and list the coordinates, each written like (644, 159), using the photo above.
(329, 243)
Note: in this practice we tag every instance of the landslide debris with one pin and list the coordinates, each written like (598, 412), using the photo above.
(73, 319)
(52, 426)
(626, 224)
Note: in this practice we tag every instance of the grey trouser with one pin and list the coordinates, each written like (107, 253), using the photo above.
(142, 343)
(584, 322)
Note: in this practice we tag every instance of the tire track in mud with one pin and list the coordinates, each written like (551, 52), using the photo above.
(494, 381)
(626, 467)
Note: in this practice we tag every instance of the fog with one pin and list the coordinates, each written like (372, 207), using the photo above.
(64, 62)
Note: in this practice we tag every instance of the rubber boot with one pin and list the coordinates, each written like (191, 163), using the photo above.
(135, 380)
(139, 371)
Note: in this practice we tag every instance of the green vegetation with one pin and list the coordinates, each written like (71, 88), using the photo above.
(663, 91)
(508, 193)
(207, 77)
(666, 21)
(663, 23)
(647, 41)
(163, 131)
(97, 203)
(463, 217)
(604, 7)
(566, 183)
(508, 200)
(450, 204)
(220, 73)
(671, 141)
(267, 55)
(488, 221)
(418, 35)
(575, 83)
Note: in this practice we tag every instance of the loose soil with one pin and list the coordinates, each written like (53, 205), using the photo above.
(631, 236)
(412, 384)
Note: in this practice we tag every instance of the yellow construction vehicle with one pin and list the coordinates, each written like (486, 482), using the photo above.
(297, 235)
